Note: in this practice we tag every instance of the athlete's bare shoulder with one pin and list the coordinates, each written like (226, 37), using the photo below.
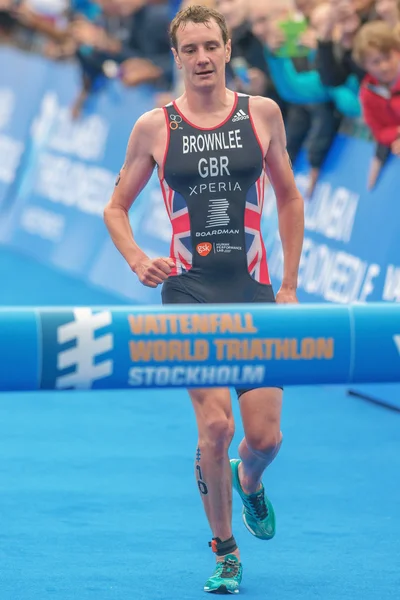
(265, 108)
(149, 123)
(145, 136)
(267, 119)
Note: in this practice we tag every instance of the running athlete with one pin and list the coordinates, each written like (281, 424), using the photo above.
(213, 149)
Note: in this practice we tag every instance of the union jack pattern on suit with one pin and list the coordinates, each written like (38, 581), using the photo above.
(181, 244)
(255, 249)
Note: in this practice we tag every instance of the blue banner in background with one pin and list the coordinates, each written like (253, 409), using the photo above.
(22, 77)
(58, 200)
(70, 171)
(351, 248)
(152, 231)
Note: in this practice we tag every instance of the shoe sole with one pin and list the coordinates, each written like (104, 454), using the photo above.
(221, 590)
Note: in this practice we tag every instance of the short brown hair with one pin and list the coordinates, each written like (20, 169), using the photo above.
(196, 14)
(376, 35)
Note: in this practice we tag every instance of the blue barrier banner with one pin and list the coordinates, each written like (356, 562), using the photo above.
(351, 248)
(381, 323)
(21, 74)
(240, 346)
(195, 346)
(20, 360)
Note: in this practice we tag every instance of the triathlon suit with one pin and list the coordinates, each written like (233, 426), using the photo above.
(213, 188)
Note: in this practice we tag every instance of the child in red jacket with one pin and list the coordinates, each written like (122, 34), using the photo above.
(377, 50)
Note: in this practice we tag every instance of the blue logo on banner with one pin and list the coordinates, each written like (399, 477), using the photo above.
(77, 349)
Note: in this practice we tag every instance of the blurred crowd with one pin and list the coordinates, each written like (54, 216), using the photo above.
(327, 63)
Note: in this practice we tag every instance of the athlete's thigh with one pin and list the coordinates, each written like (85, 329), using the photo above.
(261, 410)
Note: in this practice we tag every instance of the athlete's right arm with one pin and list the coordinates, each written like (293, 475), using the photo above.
(135, 173)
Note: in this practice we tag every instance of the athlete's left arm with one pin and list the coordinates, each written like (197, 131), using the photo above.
(290, 203)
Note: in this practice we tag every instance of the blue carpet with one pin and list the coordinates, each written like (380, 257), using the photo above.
(98, 500)
(387, 394)
(24, 281)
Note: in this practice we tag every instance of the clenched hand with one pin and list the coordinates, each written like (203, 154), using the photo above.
(152, 272)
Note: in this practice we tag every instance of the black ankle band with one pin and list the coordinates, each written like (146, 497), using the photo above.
(221, 548)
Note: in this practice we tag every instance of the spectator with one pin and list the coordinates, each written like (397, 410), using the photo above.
(298, 81)
(388, 11)
(33, 22)
(129, 34)
(305, 87)
(377, 50)
(148, 56)
(8, 23)
(248, 69)
(306, 7)
(334, 59)
(311, 117)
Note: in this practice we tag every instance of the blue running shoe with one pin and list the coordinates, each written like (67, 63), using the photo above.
(258, 513)
(226, 578)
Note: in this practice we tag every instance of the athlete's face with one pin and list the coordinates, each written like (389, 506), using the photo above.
(202, 54)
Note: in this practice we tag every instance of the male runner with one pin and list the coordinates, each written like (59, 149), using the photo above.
(213, 149)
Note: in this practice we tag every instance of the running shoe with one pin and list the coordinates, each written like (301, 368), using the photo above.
(227, 576)
(257, 513)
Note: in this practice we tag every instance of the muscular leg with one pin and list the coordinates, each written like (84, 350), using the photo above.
(213, 474)
(261, 412)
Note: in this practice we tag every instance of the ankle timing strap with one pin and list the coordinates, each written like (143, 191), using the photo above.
(221, 548)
